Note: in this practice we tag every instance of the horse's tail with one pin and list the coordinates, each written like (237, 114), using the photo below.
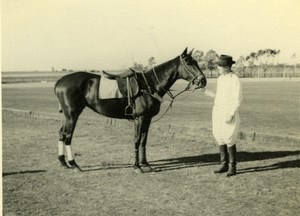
(59, 108)
(56, 86)
(55, 92)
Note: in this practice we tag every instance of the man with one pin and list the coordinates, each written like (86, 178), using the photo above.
(225, 114)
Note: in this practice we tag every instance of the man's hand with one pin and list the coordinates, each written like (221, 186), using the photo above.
(207, 92)
(229, 119)
(202, 89)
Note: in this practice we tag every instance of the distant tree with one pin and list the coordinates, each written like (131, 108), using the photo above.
(241, 61)
(266, 58)
(151, 63)
(210, 59)
(137, 66)
(198, 56)
(251, 59)
(240, 66)
(293, 60)
(262, 59)
(251, 63)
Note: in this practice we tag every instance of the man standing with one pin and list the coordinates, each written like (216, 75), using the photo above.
(225, 114)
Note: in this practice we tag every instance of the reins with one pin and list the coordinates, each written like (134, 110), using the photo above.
(167, 91)
(170, 93)
(155, 95)
(171, 103)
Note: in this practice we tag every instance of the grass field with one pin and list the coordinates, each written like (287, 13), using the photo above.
(34, 184)
(271, 108)
(268, 169)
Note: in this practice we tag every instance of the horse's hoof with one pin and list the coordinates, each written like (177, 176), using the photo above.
(75, 166)
(65, 167)
(138, 170)
(77, 169)
(148, 168)
(62, 162)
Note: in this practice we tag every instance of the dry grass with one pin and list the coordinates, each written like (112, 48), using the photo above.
(268, 169)
(34, 184)
(270, 108)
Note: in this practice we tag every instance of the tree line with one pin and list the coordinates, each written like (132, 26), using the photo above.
(263, 63)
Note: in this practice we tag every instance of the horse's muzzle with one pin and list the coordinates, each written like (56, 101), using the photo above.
(200, 81)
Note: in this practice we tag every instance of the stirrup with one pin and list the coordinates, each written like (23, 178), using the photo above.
(129, 110)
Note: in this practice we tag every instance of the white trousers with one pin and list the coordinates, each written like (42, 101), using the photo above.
(223, 132)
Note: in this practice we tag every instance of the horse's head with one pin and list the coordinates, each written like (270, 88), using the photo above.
(190, 70)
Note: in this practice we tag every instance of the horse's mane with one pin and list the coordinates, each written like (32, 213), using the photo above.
(161, 66)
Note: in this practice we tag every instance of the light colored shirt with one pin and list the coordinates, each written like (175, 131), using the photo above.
(229, 93)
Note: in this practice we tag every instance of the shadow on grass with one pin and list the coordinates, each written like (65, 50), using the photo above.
(105, 167)
(23, 172)
(213, 159)
(208, 160)
(280, 165)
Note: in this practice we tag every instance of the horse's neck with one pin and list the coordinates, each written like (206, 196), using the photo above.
(167, 74)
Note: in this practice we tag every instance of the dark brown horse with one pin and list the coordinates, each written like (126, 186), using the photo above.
(81, 89)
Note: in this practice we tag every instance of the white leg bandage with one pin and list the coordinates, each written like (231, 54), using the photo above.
(61, 148)
(69, 152)
(230, 144)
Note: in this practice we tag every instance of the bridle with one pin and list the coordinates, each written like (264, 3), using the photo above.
(154, 92)
(198, 78)
(190, 84)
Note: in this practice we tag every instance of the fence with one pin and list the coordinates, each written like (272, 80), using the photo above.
(260, 72)
(251, 72)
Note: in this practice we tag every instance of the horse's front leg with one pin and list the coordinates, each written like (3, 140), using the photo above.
(137, 141)
(144, 135)
(141, 134)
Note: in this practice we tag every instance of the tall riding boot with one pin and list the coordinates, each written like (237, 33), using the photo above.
(224, 159)
(232, 160)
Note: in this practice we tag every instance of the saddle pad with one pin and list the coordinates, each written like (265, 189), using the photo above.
(109, 89)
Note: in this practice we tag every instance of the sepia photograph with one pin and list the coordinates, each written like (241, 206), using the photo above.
(150, 108)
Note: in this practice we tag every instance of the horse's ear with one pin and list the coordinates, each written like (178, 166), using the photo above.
(184, 52)
(191, 52)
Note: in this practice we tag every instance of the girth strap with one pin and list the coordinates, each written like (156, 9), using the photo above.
(129, 109)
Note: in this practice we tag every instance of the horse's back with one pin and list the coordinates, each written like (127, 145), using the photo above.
(77, 80)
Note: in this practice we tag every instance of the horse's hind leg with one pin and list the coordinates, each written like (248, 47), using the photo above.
(69, 131)
(71, 112)
(61, 144)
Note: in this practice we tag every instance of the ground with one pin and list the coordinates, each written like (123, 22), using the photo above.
(34, 183)
(180, 147)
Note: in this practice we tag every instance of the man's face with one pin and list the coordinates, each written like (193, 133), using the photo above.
(221, 70)
(224, 70)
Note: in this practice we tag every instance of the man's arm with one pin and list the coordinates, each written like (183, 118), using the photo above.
(237, 97)
(208, 93)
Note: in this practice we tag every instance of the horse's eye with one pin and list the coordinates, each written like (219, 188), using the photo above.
(191, 62)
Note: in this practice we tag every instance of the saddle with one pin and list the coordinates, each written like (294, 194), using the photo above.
(127, 82)
(125, 74)
(128, 86)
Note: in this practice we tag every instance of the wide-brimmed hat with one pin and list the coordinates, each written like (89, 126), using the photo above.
(225, 60)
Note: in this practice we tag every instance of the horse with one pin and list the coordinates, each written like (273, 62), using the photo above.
(141, 103)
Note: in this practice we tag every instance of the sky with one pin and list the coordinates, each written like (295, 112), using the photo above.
(113, 34)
